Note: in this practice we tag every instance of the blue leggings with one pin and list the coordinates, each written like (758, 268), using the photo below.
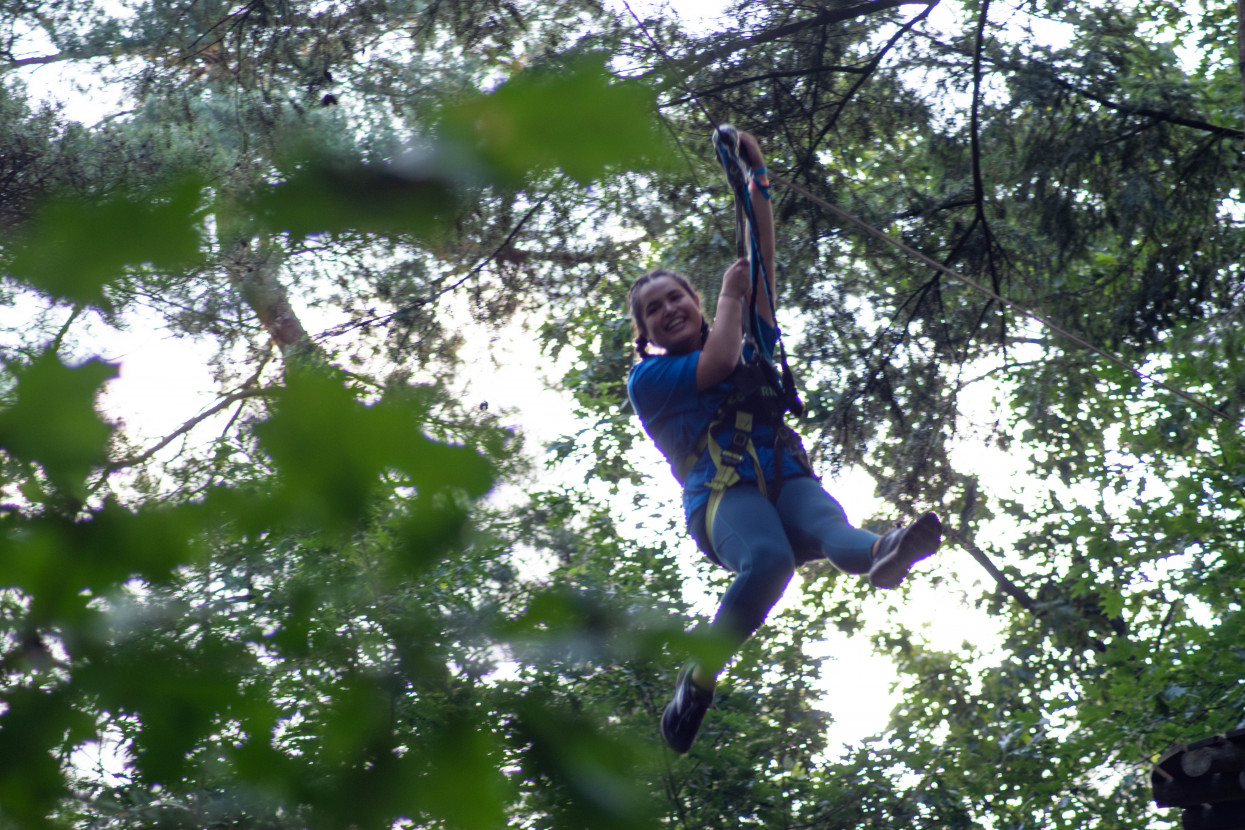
(764, 542)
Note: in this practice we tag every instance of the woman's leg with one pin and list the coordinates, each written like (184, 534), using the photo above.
(748, 538)
(818, 527)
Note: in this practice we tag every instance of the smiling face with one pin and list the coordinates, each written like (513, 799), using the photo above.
(668, 315)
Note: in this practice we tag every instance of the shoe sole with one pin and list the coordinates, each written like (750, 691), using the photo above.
(681, 747)
(922, 539)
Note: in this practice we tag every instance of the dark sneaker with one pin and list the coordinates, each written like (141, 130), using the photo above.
(902, 548)
(681, 720)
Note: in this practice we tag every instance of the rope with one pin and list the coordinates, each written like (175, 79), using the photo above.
(943, 269)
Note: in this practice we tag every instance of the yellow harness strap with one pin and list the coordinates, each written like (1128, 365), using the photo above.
(726, 460)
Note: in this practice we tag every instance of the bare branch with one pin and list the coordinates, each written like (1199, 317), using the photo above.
(223, 403)
(1010, 588)
(42, 60)
(715, 51)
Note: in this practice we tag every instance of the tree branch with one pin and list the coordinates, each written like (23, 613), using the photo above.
(223, 403)
(979, 186)
(1010, 588)
(870, 68)
(1240, 45)
(497, 253)
(714, 51)
(769, 76)
(1150, 112)
(44, 60)
(1051, 74)
(254, 269)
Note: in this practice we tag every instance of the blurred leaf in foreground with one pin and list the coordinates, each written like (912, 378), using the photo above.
(73, 248)
(53, 421)
(581, 119)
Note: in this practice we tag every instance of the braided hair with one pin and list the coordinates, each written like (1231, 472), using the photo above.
(633, 305)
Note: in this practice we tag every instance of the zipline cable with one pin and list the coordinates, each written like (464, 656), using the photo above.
(938, 266)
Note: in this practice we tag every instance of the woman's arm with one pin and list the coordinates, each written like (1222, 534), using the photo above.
(723, 347)
(764, 213)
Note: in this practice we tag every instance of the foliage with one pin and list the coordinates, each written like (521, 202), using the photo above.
(283, 637)
(340, 596)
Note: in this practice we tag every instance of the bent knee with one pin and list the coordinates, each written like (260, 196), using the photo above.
(773, 566)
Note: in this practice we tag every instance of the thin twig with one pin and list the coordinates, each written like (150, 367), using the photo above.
(422, 301)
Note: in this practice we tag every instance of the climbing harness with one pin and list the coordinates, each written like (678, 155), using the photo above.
(756, 401)
(761, 396)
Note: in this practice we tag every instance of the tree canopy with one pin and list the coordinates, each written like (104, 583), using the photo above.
(345, 595)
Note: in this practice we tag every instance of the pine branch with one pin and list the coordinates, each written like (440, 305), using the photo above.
(46, 60)
(770, 76)
(1150, 112)
(1240, 44)
(254, 270)
(1051, 73)
(870, 68)
(712, 51)
(979, 186)
(499, 253)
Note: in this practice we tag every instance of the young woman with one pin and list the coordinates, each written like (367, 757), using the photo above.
(762, 526)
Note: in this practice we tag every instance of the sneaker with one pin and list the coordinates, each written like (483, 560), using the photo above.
(902, 548)
(681, 720)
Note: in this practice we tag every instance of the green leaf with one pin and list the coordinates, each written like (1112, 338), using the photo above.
(595, 771)
(580, 119)
(54, 422)
(321, 197)
(1112, 603)
(73, 247)
(466, 786)
(332, 450)
(53, 560)
(31, 730)
(184, 691)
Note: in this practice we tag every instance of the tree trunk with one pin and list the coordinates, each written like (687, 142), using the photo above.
(254, 267)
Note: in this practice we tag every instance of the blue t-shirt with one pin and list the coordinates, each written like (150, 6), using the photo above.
(663, 391)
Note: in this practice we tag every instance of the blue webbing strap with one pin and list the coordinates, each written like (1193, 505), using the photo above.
(747, 239)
